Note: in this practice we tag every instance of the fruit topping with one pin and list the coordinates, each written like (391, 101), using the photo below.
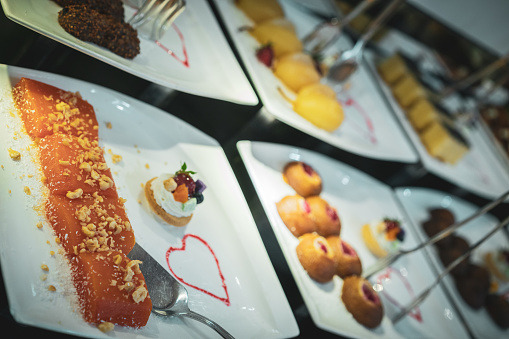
(347, 249)
(200, 187)
(393, 230)
(369, 293)
(265, 55)
(308, 169)
(194, 189)
(181, 193)
(306, 206)
(331, 212)
(321, 246)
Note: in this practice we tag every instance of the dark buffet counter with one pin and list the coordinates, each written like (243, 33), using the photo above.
(227, 123)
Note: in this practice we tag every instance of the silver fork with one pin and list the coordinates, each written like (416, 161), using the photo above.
(154, 17)
(169, 297)
(421, 297)
(391, 258)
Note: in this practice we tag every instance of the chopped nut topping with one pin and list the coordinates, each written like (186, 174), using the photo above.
(39, 225)
(139, 294)
(52, 288)
(26, 189)
(106, 327)
(75, 194)
(64, 162)
(117, 259)
(15, 155)
(44, 267)
(170, 185)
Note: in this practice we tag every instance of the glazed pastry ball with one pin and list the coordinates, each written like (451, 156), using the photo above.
(296, 215)
(316, 257)
(362, 301)
(302, 178)
(325, 216)
(347, 261)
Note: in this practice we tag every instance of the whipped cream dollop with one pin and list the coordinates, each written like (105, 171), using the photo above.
(167, 202)
(380, 231)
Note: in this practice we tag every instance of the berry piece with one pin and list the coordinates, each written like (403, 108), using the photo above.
(199, 198)
(308, 169)
(265, 55)
(185, 179)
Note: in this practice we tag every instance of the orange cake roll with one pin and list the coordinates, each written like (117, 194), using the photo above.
(74, 166)
(46, 109)
(90, 223)
(111, 288)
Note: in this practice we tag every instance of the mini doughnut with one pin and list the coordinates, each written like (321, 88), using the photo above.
(316, 257)
(302, 178)
(325, 216)
(347, 261)
(296, 215)
(362, 301)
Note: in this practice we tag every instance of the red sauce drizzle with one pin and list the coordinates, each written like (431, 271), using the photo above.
(416, 312)
(371, 129)
(226, 299)
(184, 61)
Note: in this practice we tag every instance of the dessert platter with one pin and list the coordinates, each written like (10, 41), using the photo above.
(479, 166)
(193, 55)
(241, 292)
(417, 202)
(348, 200)
(364, 124)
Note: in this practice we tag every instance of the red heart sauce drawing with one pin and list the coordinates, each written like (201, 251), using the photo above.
(349, 101)
(171, 250)
(390, 273)
(185, 60)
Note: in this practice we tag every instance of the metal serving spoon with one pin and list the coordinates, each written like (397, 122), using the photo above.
(169, 297)
(349, 60)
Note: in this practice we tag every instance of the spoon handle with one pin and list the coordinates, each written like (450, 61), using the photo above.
(373, 27)
(198, 317)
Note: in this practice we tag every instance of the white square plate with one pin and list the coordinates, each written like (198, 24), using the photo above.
(151, 142)
(369, 129)
(416, 202)
(195, 38)
(359, 199)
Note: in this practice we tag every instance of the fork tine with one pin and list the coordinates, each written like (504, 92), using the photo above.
(176, 7)
(391, 258)
(142, 13)
(417, 301)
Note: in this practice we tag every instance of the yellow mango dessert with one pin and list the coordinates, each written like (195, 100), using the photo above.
(443, 142)
(421, 114)
(280, 34)
(317, 103)
(260, 10)
(296, 70)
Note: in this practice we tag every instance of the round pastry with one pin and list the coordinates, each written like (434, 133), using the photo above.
(383, 237)
(442, 214)
(497, 263)
(449, 255)
(296, 215)
(173, 197)
(316, 257)
(347, 261)
(498, 309)
(362, 301)
(472, 292)
(434, 226)
(325, 216)
(302, 178)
